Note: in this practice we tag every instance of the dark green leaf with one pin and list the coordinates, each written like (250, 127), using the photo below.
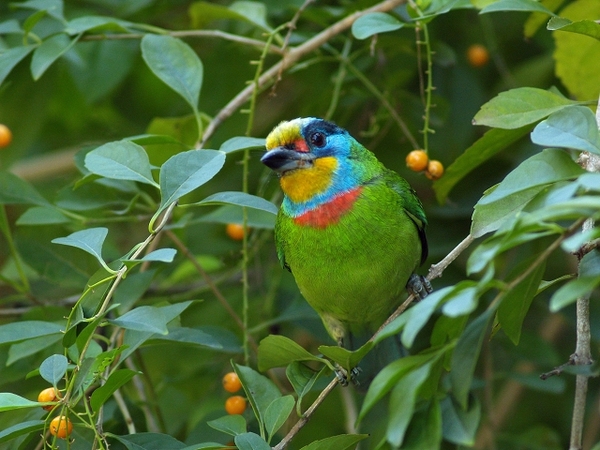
(89, 240)
(374, 23)
(492, 142)
(10, 401)
(339, 442)
(21, 429)
(48, 52)
(53, 368)
(250, 441)
(279, 351)
(402, 404)
(14, 190)
(277, 413)
(571, 127)
(9, 59)
(302, 378)
(121, 160)
(152, 319)
(238, 143)
(232, 424)
(425, 429)
(176, 64)
(28, 329)
(519, 107)
(466, 354)
(348, 359)
(149, 441)
(187, 171)
(213, 338)
(239, 199)
(459, 424)
(116, 379)
(419, 314)
(30, 347)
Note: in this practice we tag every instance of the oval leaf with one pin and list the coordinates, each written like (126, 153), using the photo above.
(54, 368)
(122, 160)
(176, 64)
(10, 401)
(239, 199)
(186, 171)
(373, 23)
(89, 240)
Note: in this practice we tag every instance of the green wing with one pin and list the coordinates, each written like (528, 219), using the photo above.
(412, 206)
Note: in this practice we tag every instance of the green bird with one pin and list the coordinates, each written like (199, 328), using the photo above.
(351, 231)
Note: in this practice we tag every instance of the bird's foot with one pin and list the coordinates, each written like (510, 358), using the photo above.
(419, 286)
(343, 376)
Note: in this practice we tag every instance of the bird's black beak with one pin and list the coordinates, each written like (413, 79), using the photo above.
(283, 160)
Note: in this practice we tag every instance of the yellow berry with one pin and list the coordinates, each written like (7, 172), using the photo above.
(236, 404)
(478, 55)
(435, 170)
(417, 160)
(48, 395)
(231, 382)
(5, 135)
(235, 231)
(61, 427)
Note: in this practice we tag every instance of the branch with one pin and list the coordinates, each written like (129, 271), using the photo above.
(289, 59)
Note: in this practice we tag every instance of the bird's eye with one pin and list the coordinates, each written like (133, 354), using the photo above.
(317, 139)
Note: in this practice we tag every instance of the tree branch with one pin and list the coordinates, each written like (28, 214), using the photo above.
(289, 59)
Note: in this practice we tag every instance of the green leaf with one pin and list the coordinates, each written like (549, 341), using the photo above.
(48, 52)
(149, 441)
(121, 160)
(53, 368)
(54, 8)
(466, 354)
(10, 401)
(339, 442)
(184, 172)
(419, 314)
(348, 359)
(21, 429)
(152, 319)
(202, 13)
(213, 338)
(260, 391)
(14, 190)
(11, 57)
(520, 186)
(240, 199)
(30, 347)
(234, 214)
(250, 441)
(239, 143)
(585, 27)
(577, 57)
(27, 329)
(462, 300)
(176, 64)
(373, 23)
(459, 424)
(515, 304)
(253, 12)
(516, 5)
(165, 255)
(491, 143)
(42, 215)
(277, 413)
(279, 351)
(519, 107)
(96, 24)
(89, 240)
(232, 424)
(572, 127)
(402, 404)
(116, 379)
(425, 429)
(302, 378)
(571, 291)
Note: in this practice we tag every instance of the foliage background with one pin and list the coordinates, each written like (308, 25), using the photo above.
(102, 90)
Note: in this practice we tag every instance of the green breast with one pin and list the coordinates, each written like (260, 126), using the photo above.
(355, 270)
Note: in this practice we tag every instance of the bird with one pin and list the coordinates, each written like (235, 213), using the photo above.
(350, 230)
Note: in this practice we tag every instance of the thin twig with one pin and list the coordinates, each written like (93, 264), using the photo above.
(290, 59)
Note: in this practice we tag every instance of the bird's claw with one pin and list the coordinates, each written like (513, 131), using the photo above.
(342, 375)
(419, 286)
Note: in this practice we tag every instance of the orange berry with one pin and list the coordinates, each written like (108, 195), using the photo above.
(417, 160)
(231, 382)
(5, 135)
(478, 55)
(61, 427)
(236, 404)
(48, 395)
(235, 231)
(435, 170)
